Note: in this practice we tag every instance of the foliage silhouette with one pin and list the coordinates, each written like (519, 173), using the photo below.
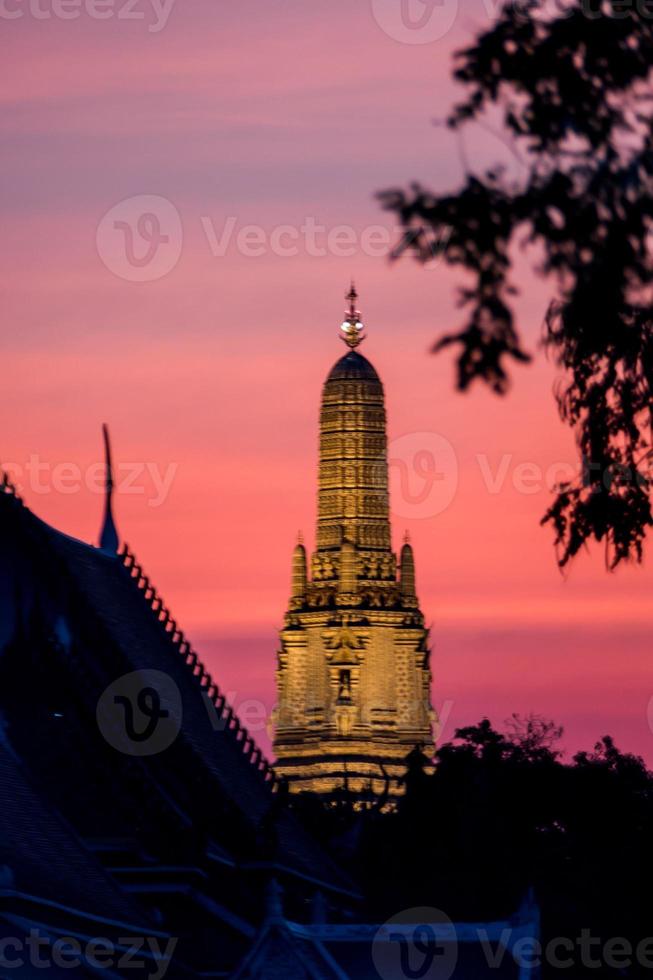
(573, 90)
(504, 813)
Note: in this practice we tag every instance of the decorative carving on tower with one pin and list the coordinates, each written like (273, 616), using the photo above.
(353, 673)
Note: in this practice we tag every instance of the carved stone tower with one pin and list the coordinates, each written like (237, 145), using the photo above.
(353, 677)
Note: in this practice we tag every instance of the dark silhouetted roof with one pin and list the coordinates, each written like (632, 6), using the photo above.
(45, 858)
(121, 600)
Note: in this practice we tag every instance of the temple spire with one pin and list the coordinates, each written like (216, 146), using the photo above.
(109, 535)
(353, 675)
(352, 326)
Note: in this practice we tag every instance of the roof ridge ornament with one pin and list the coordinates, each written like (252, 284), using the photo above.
(109, 540)
(352, 327)
(6, 485)
(216, 700)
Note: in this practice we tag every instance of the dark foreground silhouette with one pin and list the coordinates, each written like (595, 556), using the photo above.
(502, 814)
(137, 812)
(567, 87)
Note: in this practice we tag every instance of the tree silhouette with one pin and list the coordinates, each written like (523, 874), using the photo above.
(573, 90)
(504, 813)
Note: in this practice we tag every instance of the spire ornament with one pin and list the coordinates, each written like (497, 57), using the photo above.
(352, 327)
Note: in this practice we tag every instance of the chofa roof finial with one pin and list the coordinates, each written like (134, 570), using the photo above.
(109, 536)
(352, 326)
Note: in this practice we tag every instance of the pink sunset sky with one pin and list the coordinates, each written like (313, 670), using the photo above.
(208, 363)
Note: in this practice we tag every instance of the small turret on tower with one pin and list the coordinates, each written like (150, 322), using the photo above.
(407, 574)
(299, 576)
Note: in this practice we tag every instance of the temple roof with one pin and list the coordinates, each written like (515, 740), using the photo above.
(43, 856)
(57, 573)
(287, 950)
(353, 367)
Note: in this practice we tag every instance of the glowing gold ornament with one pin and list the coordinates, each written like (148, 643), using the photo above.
(352, 327)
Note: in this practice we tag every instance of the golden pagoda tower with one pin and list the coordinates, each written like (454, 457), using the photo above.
(353, 676)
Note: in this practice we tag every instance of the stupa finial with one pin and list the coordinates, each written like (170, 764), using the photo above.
(352, 326)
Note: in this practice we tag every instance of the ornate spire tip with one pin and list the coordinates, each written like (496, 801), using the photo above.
(352, 327)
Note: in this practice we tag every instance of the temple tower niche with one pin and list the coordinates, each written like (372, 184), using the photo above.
(353, 674)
